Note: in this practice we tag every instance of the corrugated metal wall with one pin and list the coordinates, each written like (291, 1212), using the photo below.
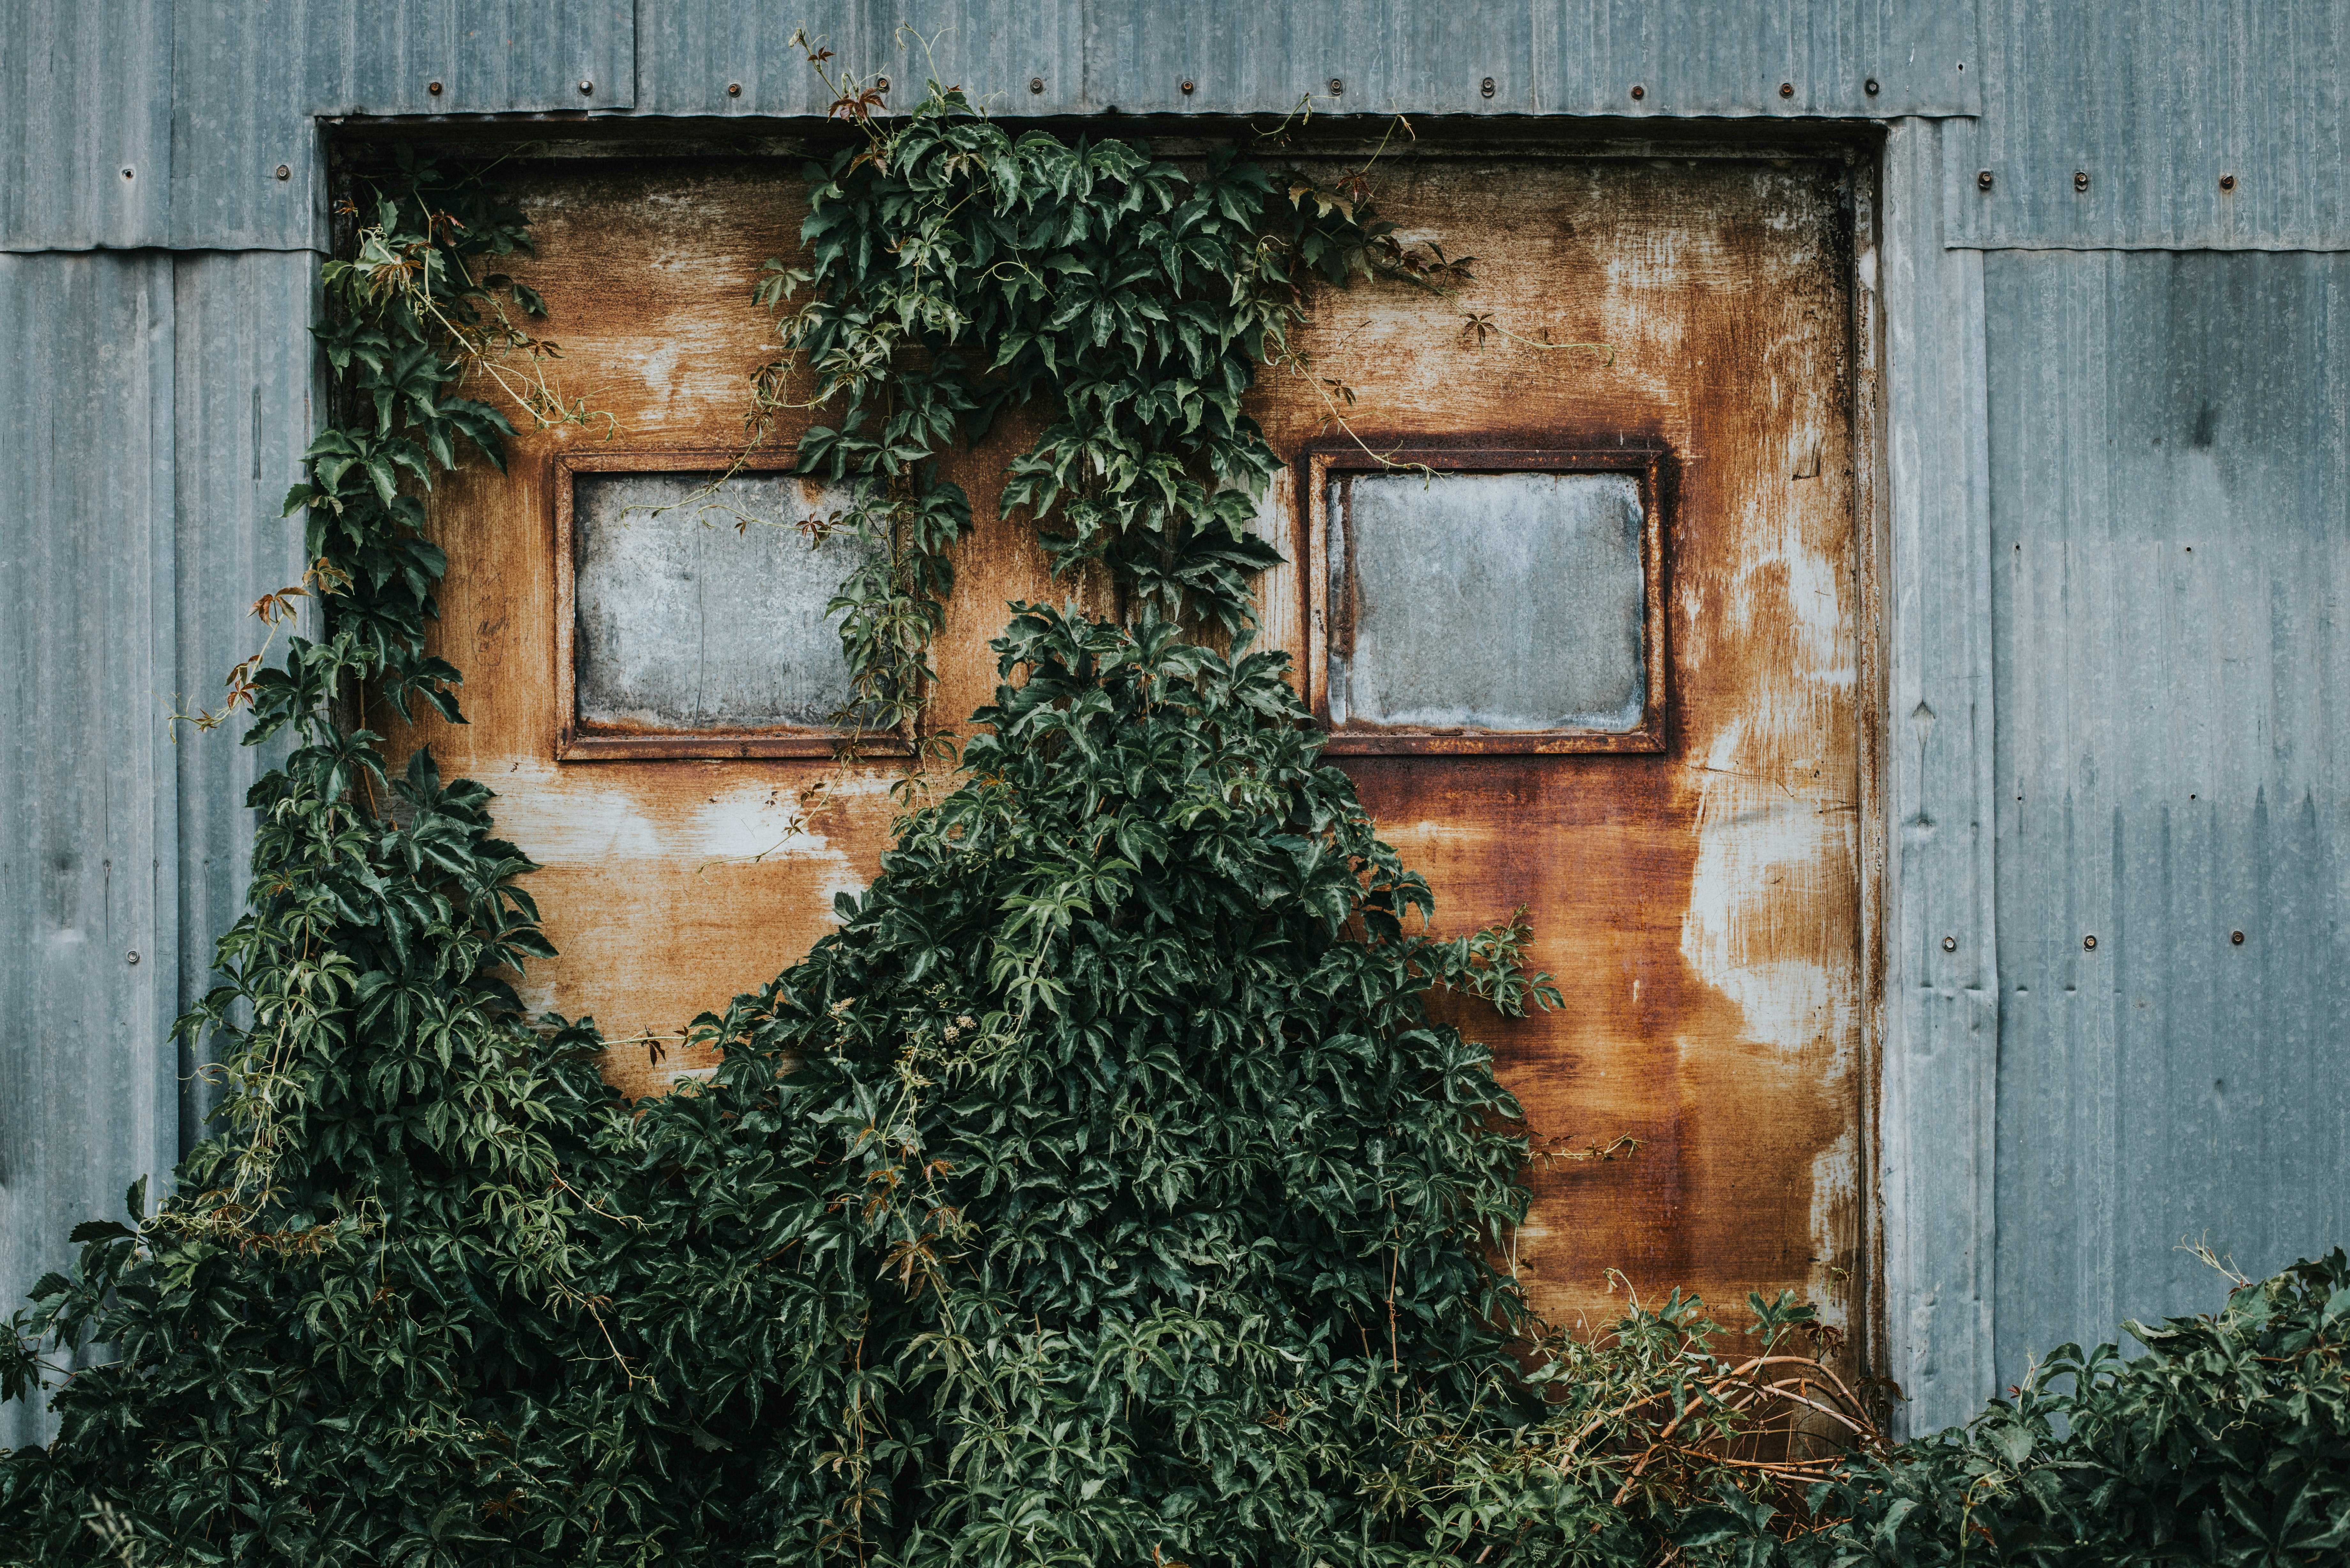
(2169, 562)
(2053, 1120)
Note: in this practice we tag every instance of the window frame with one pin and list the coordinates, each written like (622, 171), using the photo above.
(576, 743)
(1322, 461)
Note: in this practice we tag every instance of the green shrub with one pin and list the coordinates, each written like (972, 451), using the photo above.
(2228, 1442)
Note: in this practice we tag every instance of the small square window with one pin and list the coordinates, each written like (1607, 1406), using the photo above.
(699, 631)
(1494, 600)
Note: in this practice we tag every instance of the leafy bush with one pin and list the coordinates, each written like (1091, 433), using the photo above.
(2228, 1442)
(1100, 1188)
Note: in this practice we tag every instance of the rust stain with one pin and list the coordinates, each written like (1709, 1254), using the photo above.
(1699, 904)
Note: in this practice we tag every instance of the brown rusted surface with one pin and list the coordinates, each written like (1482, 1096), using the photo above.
(1699, 904)
(1699, 907)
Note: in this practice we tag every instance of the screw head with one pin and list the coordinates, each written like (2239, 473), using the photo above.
(734, 89)
(1189, 86)
(2080, 180)
(284, 173)
(1786, 89)
(882, 83)
(1982, 179)
(2237, 937)
(1950, 944)
(1035, 84)
(1638, 92)
(130, 957)
(432, 88)
(1485, 87)
(586, 87)
(2227, 182)
(1337, 86)
(130, 174)
(1869, 86)
(2090, 943)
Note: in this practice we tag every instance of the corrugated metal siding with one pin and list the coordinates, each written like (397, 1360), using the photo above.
(2155, 102)
(243, 396)
(1691, 57)
(1937, 1092)
(205, 100)
(89, 905)
(2171, 557)
(85, 94)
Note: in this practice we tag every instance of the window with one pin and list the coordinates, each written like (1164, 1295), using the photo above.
(697, 632)
(1488, 600)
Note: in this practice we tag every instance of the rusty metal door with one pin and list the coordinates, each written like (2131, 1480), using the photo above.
(1595, 647)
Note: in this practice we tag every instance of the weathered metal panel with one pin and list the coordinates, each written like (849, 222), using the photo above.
(1941, 985)
(1688, 57)
(2147, 124)
(89, 907)
(690, 55)
(205, 101)
(249, 76)
(2170, 506)
(243, 390)
(85, 124)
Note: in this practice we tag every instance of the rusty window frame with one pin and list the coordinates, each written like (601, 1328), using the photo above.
(574, 743)
(1322, 461)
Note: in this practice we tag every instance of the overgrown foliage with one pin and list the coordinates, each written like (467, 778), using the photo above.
(2228, 1442)
(1102, 1190)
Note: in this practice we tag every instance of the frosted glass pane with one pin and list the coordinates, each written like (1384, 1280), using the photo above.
(687, 624)
(1488, 601)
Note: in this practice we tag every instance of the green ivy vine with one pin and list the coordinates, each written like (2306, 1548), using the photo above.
(955, 270)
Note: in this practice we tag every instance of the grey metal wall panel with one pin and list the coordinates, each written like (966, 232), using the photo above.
(2154, 102)
(1427, 56)
(240, 112)
(688, 55)
(244, 396)
(88, 905)
(1937, 1096)
(85, 123)
(205, 99)
(2170, 506)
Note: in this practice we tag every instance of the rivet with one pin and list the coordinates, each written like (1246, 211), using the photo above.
(1869, 86)
(734, 89)
(2227, 182)
(131, 957)
(586, 87)
(1189, 86)
(882, 83)
(284, 173)
(2080, 180)
(432, 88)
(1950, 944)
(2090, 943)
(2237, 937)
(1035, 84)
(1638, 92)
(1982, 179)
(1485, 87)
(1786, 89)
(1337, 86)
